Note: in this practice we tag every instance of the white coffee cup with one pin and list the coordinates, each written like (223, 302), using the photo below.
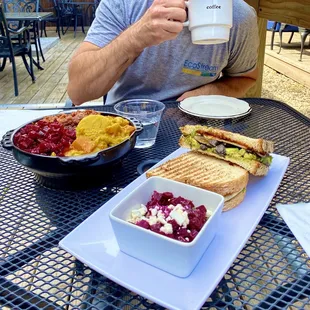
(209, 20)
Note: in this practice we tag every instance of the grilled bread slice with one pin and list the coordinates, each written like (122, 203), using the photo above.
(250, 154)
(205, 172)
(234, 201)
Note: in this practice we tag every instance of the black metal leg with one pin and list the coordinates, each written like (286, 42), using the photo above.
(75, 24)
(42, 26)
(291, 37)
(303, 36)
(272, 40)
(62, 27)
(3, 64)
(58, 29)
(14, 76)
(34, 40)
(82, 23)
(37, 49)
(280, 34)
(45, 29)
(26, 64)
(39, 42)
(64, 32)
(31, 66)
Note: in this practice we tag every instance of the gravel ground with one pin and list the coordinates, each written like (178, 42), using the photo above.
(279, 87)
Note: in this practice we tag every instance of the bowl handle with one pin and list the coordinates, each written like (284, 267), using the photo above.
(138, 125)
(6, 141)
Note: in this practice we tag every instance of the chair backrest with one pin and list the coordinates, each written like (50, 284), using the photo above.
(5, 40)
(21, 6)
(96, 2)
(65, 6)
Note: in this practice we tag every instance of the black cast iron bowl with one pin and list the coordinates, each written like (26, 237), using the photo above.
(74, 172)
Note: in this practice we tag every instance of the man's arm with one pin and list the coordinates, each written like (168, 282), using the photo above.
(94, 70)
(226, 86)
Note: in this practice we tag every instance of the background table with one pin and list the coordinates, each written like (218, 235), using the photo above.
(30, 17)
(271, 272)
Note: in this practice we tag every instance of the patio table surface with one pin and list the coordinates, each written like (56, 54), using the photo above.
(27, 16)
(271, 272)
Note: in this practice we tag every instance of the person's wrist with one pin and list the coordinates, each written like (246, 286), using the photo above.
(135, 39)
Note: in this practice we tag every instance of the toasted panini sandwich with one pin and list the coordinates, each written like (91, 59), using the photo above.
(208, 173)
(250, 154)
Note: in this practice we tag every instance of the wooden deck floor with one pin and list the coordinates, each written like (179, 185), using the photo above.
(287, 61)
(51, 83)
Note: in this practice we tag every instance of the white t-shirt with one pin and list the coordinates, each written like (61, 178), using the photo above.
(168, 70)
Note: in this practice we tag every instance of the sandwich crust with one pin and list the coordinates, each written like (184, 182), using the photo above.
(234, 202)
(205, 172)
(259, 145)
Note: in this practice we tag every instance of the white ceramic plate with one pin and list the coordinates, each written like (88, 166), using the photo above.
(93, 243)
(215, 107)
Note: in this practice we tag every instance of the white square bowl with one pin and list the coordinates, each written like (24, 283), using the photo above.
(173, 256)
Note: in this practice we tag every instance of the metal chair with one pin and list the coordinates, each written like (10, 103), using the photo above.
(93, 8)
(22, 6)
(20, 47)
(303, 36)
(71, 13)
(276, 26)
(56, 18)
(281, 27)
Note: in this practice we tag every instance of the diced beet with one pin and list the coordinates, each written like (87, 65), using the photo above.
(156, 227)
(197, 218)
(44, 138)
(193, 233)
(182, 232)
(174, 224)
(144, 224)
(187, 204)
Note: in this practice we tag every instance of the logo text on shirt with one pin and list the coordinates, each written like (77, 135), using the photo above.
(199, 68)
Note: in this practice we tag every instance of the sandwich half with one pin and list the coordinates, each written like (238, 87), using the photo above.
(250, 154)
(208, 173)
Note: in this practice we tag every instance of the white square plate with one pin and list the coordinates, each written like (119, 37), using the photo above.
(93, 243)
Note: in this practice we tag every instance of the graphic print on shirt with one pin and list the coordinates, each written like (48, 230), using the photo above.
(199, 68)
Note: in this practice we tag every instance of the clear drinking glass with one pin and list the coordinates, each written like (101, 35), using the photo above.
(148, 112)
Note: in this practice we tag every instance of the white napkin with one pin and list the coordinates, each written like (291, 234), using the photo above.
(11, 119)
(297, 218)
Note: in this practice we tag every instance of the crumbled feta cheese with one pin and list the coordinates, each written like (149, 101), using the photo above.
(143, 209)
(154, 211)
(167, 229)
(152, 220)
(209, 213)
(179, 215)
(161, 217)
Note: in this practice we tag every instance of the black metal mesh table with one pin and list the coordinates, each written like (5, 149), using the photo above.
(271, 272)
